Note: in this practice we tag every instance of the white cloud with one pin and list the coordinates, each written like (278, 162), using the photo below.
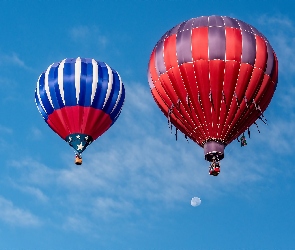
(16, 216)
(5, 130)
(139, 162)
(88, 35)
(14, 59)
(35, 133)
(36, 192)
(77, 223)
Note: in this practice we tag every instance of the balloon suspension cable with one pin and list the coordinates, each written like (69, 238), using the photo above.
(257, 107)
(176, 133)
(199, 98)
(178, 104)
(246, 101)
(262, 120)
(185, 136)
(235, 94)
(188, 102)
(170, 110)
(248, 132)
(211, 100)
(224, 99)
(257, 127)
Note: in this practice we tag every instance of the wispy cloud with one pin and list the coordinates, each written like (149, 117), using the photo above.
(5, 130)
(35, 133)
(15, 216)
(142, 166)
(35, 192)
(77, 223)
(88, 35)
(14, 59)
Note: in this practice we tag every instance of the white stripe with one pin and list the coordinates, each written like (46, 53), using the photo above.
(78, 77)
(120, 93)
(47, 85)
(94, 80)
(110, 85)
(60, 80)
(38, 95)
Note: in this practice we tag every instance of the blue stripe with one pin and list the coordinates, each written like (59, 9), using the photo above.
(102, 86)
(39, 107)
(43, 96)
(83, 80)
(69, 83)
(88, 86)
(114, 94)
(54, 87)
(119, 105)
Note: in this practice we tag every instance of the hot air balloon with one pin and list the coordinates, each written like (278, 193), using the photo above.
(213, 77)
(79, 99)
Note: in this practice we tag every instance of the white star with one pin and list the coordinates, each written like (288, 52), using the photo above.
(86, 137)
(80, 146)
(78, 136)
(70, 138)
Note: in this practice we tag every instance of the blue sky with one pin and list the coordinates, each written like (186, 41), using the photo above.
(134, 188)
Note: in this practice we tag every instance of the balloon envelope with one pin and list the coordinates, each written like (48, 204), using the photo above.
(213, 76)
(80, 99)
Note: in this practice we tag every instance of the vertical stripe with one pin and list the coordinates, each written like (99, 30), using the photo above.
(270, 60)
(119, 95)
(233, 44)
(54, 87)
(40, 107)
(160, 65)
(231, 22)
(109, 77)
(200, 43)
(249, 47)
(60, 80)
(261, 53)
(201, 22)
(47, 85)
(77, 78)
(68, 79)
(170, 56)
(216, 21)
(83, 83)
(94, 80)
(216, 43)
(183, 45)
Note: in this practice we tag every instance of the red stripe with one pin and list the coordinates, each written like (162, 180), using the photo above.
(175, 116)
(216, 84)
(242, 83)
(190, 84)
(233, 45)
(231, 73)
(170, 57)
(166, 83)
(202, 77)
(152, 67)
(200, 43)
(261, 53)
